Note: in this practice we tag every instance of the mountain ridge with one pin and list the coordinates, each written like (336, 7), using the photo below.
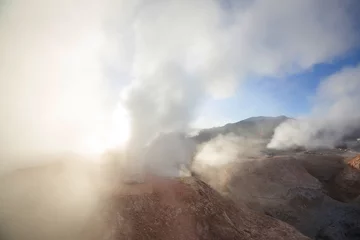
(253, 127)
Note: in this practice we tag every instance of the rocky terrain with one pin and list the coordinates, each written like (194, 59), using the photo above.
(188, 208)
(306, 191)
(317, 191)
(72, 201)
(255, 193)
(280, 197)
(347, 182)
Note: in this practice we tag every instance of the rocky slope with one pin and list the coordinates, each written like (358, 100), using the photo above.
(189, 209)
(292, 189)
(81, 201)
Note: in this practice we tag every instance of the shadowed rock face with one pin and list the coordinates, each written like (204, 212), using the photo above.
(347, 182)
(188, 209)
(283, 187)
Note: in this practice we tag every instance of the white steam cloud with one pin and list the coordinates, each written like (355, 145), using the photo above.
(63, 63)
(52, 88)
(184, 50)
(217, 160)
(335, 114)
(225, 149)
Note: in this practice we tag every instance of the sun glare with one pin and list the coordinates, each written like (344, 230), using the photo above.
(109, 135)
(119, 133)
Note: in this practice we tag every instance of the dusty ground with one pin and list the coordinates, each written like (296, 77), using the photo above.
(82, 201)
(91, 201)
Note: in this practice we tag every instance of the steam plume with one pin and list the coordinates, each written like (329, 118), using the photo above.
(64, 62)
(185, 51)
(335, 114)
(226, 149)
(53, 92)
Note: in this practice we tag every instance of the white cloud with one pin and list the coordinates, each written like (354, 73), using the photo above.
(278, 37)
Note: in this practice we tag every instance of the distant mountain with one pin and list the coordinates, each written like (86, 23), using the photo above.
(254, 127)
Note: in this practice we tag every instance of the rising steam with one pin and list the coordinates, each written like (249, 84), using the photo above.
(64, 63)
(335, 115)
(225, 149)
(184, 51)
(82, 76)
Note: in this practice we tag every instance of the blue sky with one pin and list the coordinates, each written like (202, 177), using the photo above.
(290, 96)
(304, 42)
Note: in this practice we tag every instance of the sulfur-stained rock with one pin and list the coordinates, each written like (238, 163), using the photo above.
(347, 182)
